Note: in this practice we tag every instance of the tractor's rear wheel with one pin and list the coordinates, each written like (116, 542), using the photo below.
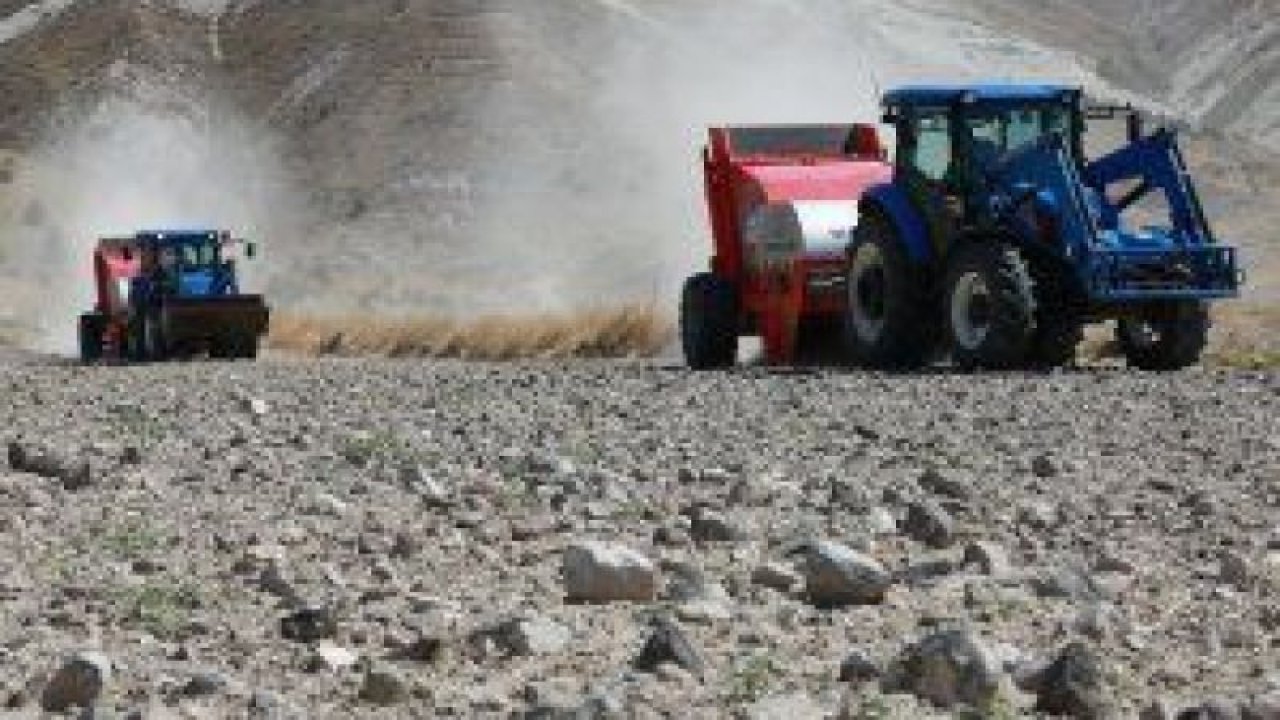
(990, 306)
(92, 326)
(889, 317)
(709, 322)
(1167, 336)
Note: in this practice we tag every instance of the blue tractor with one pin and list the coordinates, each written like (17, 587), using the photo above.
(998, 239)
(166, 294)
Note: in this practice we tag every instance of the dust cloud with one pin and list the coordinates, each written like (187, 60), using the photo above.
(139, 158)
(604, 200)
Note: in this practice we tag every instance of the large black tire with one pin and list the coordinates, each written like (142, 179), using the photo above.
(90, 332)
(245, 347)
(890, 317)
(709, 322)
(135, 342)
(1059, 324)
(1167, 336)
(990, 303)
(155, 344)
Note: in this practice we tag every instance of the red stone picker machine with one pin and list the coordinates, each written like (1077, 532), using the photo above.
(783, 202)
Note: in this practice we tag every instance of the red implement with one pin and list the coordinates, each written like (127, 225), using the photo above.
(783, 203)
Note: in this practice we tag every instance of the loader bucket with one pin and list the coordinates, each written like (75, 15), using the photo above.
(226, 326)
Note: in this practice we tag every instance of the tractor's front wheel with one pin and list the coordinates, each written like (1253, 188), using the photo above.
(92, 326)
(888, 316)
(1168, 336)
(990, 306)
(709, 322)
(154, 341)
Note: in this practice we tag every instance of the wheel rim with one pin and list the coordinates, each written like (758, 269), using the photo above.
(1141, 334)
(971, 311)
(867, 282)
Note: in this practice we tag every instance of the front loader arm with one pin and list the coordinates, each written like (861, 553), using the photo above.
(1157, 163)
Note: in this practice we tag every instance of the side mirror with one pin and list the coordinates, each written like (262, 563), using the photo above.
(250, 250)
(1134, 126)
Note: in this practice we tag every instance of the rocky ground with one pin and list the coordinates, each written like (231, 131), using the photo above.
(383, 539)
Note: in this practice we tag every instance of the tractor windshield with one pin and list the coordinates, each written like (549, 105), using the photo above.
(996, 132)
(195, 256)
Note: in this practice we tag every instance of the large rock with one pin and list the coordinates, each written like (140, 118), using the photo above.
(948, 668)
(384, 686)
(597, 572)
(1073, 685)
(72, 471)
(309, 625)
(532, 636)
(928, 523)
(78, 683)
(667, 643)
(836, 575)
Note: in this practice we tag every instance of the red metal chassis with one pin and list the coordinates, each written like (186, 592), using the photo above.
(773, 301)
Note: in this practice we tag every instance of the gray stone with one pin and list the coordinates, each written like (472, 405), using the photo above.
(1215, 709)
(667, 643)
(1073, 685)
(990, 558)
(309, 625)
(329, 657)
(881, 522)
(791, 706)
(78, 683)
(836, 575)
(383, 686)
(859, 667)
(533, 636)
(205, 684)
(1068, 583)
(928, 523)
(1044, 466)
(1157, 710)
(74, 472)
(936, 483)
(948, 668)
(779, 576)
(1038, 515)
(1234, 570)
(711, 526)
(597, 572)
(554, 699)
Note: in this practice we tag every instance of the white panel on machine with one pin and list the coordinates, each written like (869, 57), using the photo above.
(780, 231)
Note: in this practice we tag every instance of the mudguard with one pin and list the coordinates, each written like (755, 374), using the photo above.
(911, 228)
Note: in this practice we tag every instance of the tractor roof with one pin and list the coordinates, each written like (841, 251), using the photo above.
(950, 94)
(177, 236)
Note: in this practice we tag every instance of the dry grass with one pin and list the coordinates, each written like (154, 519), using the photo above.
(631, 331)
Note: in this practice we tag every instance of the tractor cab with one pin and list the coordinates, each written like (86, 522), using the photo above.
(185, 264)
(951, 140)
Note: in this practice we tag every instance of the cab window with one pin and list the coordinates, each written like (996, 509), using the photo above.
(930, 153)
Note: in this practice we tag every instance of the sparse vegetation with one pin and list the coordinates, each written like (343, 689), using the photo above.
(752, 678)
(160, 606)
(132, 540)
